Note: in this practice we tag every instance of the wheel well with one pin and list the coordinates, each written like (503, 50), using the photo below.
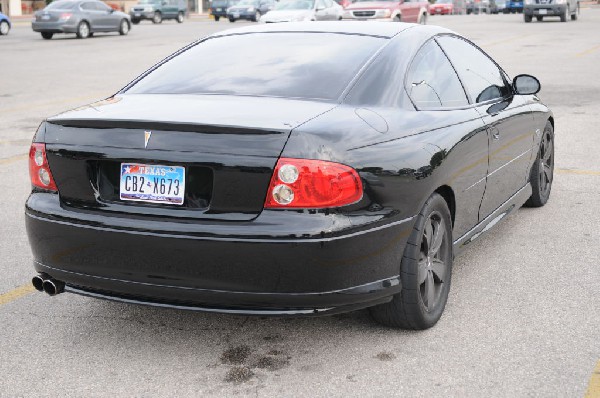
(448, 194)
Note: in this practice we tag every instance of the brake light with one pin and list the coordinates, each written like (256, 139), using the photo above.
(65, 15)
(304, 183)
(39, 170)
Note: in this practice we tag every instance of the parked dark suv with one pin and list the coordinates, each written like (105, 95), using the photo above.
(157, 10)
(219, 8)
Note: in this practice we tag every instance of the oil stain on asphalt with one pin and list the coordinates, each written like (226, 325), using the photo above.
(246, 362)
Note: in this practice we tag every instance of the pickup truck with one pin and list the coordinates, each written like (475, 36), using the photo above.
(415, 11)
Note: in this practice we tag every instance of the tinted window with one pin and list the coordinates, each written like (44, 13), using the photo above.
(101, 6)
(88, 7)
(431, 81)
(296, 65)
(479, 74)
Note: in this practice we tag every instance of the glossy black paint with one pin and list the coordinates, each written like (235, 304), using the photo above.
(222, 251)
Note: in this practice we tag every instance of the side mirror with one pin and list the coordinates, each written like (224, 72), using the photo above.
(526, 85)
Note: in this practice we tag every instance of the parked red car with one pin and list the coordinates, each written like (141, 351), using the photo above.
(344, 3)
(442, 7)
(415, 11)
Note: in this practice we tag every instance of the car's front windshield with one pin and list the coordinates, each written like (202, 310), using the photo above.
(295, 5)
(219, 3)
(149, 2)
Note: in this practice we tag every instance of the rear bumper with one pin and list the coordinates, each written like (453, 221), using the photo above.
(54, 27)
(281, 263)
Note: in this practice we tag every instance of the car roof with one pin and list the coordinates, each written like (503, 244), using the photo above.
(364, 28)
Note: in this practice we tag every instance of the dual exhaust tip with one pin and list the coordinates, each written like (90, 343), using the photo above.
(45, 283)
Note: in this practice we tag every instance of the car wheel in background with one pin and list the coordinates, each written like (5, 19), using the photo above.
(527, 18)
(124, 27)
(423, 19)
(397, 18)
(256, 17)
(217, 19)
(157, 18)
(47, 35)
(542, 171)
(4, 28)
(135, 21)
(563, 17)
(180, 17)
(574, 16)
(425, 271)
(83, 30)
(231, 19)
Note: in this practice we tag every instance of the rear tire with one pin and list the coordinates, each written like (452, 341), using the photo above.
(398, 18)
(180, 17)
(256, 17)
(47, 35)
(83, 30)
(157, 18)
(217, 19)
(540, 19)
(542, 171)
(423, 19)
(425, 271)
(135, 21)
(527, 18)
(231, 19)
(575, 15)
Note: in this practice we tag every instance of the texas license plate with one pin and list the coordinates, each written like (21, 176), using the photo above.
(543, 11)
(137, 14)
(152, 183)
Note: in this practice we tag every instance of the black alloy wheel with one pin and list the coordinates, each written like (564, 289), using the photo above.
(565, 15)
(157, 18)
(425, 271)
(542, 171)
(47, 35)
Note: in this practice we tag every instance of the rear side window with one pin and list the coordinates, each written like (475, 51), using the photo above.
(88, 7)
(62, 5)
(481, 77)
(292, 65)
(431, 82)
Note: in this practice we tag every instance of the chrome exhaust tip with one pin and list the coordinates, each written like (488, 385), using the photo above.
(53, 287)
(38, 282)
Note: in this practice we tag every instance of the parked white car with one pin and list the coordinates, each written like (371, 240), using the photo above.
(304, 10)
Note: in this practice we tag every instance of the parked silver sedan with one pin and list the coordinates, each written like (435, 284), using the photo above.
(82, 17)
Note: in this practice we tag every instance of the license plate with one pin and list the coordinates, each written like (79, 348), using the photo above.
(543, 11)
(45, 17)
(152, 183)
(137, 14)
(235, 15)
(219, 9)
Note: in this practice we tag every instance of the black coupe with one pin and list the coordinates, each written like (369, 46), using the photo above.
(343, 167)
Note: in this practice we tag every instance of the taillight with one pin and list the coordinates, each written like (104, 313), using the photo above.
(304, 183)
(39, 170)
(65, 16)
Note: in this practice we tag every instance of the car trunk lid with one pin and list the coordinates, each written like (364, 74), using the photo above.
(227, 145)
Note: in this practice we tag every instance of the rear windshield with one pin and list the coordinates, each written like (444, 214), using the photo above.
(62, 5)
(292, 65)
(219, 3)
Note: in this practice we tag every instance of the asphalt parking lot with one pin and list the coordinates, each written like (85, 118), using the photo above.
(523, 317)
